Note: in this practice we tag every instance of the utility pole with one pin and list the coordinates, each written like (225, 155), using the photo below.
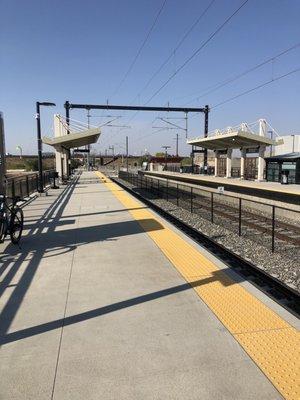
(166, 153)
(112, 148)
(186, 125)
(127, 153)
(177, 139)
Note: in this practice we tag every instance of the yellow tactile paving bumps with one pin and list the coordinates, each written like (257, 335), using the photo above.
(269, 340)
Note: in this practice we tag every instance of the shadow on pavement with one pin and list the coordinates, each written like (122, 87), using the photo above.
(218, 276)
(49, 235)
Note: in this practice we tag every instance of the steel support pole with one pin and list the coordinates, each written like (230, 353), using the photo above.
(212, 207)
(127, 153)
(273, 229)
(205, 135)
(88, 146)
(67, 107)
(240, 216)
(39, 143)
(2, 157)
(193, 148)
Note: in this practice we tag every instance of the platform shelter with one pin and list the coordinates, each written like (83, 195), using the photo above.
(240, 138)
(67, 136)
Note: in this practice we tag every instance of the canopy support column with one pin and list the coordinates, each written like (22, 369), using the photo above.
(216, 162)
(243, 160)
(60, 164)
(261, 163)
(228, 163)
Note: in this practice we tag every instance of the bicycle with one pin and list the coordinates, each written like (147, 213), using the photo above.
(11, 220)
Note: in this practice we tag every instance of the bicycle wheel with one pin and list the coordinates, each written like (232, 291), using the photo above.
(16, 225)
(3, 226)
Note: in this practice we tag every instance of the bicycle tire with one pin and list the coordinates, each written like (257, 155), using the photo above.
(3, 226)
(16, 225)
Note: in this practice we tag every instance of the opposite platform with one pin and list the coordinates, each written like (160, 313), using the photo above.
(289, 194)
(92, 307)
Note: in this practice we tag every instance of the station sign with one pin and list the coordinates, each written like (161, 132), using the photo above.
(81, 150)
(221, 189)
(253, 150)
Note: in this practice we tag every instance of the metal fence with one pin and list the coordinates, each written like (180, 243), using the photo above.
(24, 185)
(269, 225)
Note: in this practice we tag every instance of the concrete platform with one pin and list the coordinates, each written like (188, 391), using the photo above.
(92, 308)
(287, 194)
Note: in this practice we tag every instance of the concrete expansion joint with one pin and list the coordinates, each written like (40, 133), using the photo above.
(64, 315)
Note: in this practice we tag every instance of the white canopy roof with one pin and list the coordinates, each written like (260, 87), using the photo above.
(73, 140)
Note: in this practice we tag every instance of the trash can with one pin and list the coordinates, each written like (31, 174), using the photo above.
(53, 183)
(285, 177)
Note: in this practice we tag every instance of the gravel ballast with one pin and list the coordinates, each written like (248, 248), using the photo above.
(252, 245)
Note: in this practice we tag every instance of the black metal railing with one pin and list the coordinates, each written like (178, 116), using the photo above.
(269, 225)
(24, 185)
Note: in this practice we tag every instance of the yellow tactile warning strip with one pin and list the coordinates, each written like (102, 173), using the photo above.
(270, 341)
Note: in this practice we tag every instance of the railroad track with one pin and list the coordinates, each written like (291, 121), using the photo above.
(272, 287)
(283, 231)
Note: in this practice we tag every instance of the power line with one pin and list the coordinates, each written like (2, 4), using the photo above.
(188, 32)
(189, 59)
(193, 55)
(141, 48)
(230, 80)
(256, 87)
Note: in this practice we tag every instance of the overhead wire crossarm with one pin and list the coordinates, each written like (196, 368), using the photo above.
(136, 108)
(171, 123)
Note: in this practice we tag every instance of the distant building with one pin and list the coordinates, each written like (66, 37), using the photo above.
(291, 144)
(284, 167)
(161, 163)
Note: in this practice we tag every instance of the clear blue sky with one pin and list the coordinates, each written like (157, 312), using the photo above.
(80, 50)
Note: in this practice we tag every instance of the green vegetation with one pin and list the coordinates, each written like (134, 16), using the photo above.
(31, 165)
(186, 161)
(28, 163)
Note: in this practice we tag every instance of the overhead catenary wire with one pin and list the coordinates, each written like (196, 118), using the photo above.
(192, 56)
(140, 49)
(196, 52)
(247, 71)
(256, 88)
(179, 44)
